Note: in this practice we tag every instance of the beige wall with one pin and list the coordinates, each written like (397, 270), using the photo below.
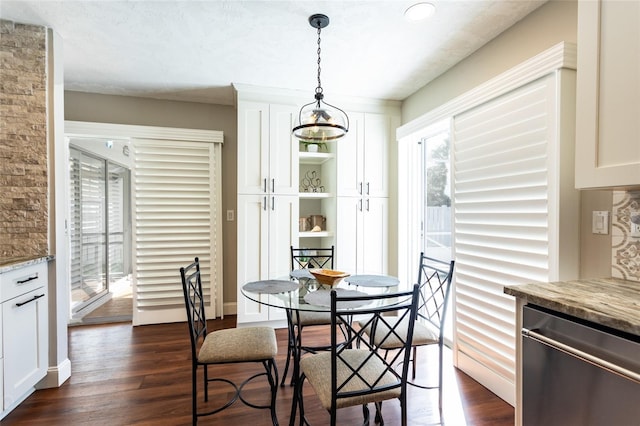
(552, 23)
(151, 112)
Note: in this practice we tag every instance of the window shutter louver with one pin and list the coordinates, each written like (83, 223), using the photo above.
(502, 227)
(176, 218)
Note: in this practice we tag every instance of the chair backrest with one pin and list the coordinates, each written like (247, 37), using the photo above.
(387, 314)
(194, 303)
(308, 258)
(434, 279)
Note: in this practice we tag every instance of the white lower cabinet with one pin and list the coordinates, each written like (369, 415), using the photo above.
(24, 332)
(362, 237)
(267, 228)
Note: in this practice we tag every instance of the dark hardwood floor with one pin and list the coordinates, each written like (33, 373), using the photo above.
(124, 375)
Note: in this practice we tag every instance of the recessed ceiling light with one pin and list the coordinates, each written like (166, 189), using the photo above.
(419, 11)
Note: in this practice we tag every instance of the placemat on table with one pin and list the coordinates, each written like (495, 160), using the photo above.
(271, 286)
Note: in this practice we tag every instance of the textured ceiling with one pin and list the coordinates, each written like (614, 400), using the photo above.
(194, 50)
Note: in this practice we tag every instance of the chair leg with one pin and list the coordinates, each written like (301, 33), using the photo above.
(440, 380)
(272, 376)
(194, 392)
(290, 348)
(378, 419)
(206, 382)
(415, 361)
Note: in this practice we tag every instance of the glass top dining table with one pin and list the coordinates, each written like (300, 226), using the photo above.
(306, 294)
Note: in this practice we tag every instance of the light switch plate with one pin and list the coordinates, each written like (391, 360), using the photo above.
(600, 222)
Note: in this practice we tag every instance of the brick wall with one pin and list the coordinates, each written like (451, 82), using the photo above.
(23, 141)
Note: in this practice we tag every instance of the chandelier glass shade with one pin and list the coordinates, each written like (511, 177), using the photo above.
(319, 121)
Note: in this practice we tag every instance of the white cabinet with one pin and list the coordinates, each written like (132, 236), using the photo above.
(363, 155)
(267, 153)
(267, 227)
(267, 211)
(608, 94)
(24, 332)
(362, 237)
(362, 216)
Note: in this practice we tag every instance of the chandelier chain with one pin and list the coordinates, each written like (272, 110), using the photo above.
(319, 88)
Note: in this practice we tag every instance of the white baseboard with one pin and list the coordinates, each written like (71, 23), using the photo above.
(56, 375)
(230, 308)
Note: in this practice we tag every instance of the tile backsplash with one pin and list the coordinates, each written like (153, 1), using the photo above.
(625, 261)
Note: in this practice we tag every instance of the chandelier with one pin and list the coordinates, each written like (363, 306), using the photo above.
(319, 121)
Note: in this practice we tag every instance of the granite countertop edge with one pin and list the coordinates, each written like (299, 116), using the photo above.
(7, 265)
(611, 302)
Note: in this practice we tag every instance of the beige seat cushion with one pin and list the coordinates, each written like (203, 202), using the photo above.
(311, 318)
(239, 344)
(317, 368)
(423, 334)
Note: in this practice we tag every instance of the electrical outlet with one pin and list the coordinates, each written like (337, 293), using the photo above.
(230, 215)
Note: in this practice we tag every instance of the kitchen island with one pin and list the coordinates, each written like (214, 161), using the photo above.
(610, 302)
(577, 355)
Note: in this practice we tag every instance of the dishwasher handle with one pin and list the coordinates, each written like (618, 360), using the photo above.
(581, 355)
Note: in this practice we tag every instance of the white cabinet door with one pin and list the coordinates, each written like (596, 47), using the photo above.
(348, 231)
(350, 158)
(375, 236)
(608, 94)
(363, 155)
(25, 333)
(283, 233)
(377, 137)
(253, 253)
(283, 153)
(253, 147)
(362, 235)
(267, 152)
(267, 227)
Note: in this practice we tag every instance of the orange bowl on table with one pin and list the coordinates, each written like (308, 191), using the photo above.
(328, 276)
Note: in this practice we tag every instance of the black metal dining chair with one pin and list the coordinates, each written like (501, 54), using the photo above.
(349, 375)
(306, 258)
(227, 346)
(434, 279)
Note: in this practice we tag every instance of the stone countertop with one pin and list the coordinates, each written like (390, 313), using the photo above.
(610, 302)
(9, 264)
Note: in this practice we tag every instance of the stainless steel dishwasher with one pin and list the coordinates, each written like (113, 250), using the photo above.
(578, 373)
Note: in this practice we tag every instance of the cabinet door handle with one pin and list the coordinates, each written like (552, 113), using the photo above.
(264, 203)
(367, 188)
(273, 185)
(34, 277)
(265, 185)
(367, 204)
(36, 297)
(360, 190)
(360, 205)
(273, 203)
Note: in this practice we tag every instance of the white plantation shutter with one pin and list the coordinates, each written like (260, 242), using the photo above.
(506, 156)
(177, 216)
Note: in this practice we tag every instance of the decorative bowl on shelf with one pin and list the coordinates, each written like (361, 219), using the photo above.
(328, 276)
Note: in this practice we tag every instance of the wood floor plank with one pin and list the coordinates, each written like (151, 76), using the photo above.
(124, 375)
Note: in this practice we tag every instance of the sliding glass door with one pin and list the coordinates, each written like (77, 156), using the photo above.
(98, 226)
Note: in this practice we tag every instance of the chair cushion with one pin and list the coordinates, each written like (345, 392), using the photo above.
(311, 318)
(239, 344)
(423, 334)
(317, 368)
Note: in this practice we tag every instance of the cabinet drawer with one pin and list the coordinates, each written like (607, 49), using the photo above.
(23, 280)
